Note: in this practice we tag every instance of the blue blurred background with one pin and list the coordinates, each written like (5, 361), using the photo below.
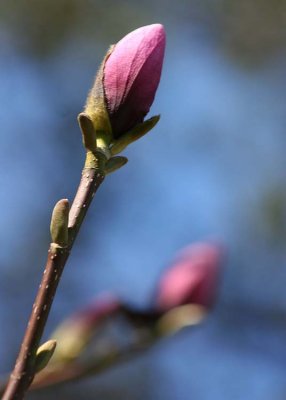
(213, 168)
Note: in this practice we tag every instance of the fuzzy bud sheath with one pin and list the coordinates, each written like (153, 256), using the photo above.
(131, 76)
(192, 279)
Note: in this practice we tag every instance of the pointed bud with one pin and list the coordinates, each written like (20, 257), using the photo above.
(136, 133)
(59, 223)
(193, 278)
(128, 80)
(114, 163)
(88, 132)
(44, 354)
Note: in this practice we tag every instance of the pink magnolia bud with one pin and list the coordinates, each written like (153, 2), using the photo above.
(193, 278)
(131, 76)
(93, 313)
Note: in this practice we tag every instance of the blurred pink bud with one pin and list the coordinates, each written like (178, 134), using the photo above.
(131, 76)
(193, 278)
(93, 313)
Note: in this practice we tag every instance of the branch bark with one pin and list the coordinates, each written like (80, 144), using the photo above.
(24, 369)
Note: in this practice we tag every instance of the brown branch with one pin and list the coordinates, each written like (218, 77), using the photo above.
(24, 369)
(23, 372)
(92, 176)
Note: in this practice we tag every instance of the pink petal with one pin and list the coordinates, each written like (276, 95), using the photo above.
(192, 279)
(132, 74)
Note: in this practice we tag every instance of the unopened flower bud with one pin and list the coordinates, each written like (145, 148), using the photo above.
(192, 279)
(128, 80)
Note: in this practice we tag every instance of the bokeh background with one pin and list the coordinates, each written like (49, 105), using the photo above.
(213, 168)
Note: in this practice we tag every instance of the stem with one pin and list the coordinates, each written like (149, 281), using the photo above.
(24, 371)
(92, 176)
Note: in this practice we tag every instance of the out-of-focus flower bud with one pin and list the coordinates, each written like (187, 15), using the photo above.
(127, 82)
(75, 332)
(192, 279)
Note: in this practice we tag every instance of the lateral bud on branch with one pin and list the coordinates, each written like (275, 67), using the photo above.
(88, 132)
(114, 164)
(59, 223)
(44, 354)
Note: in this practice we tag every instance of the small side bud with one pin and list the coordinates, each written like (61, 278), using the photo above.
(59, 223)
(44, 354)
(114, 164)
(136, 133)
(88, 132)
